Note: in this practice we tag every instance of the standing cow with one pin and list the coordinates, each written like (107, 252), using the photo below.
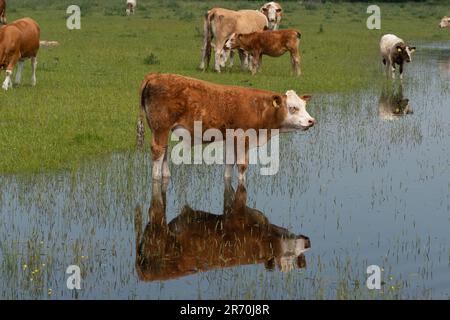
(2, 12)
(445, 22)
(220, 24)
(395, 51)
(274, 13)
(19, 41)
(271, 43)
(198, 241)
(131, 7)
(171, 102)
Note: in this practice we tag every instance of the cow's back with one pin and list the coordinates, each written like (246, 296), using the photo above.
(387, 42)
(29, 36)
(177, 100)
(251, 21)
(227, 22)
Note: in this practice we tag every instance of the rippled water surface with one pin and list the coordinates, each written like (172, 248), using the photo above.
(369, 185)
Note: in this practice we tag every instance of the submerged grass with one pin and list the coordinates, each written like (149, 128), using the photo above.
(86, 100)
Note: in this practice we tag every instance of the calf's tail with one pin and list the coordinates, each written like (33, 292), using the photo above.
(140, 130)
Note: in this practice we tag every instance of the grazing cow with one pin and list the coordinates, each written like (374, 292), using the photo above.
(273, 12)
(131, 7)
(2, 12)
(445, 22)
(171, 101)
(219, 25)
(19, 40)
(392, 104)
(271, 43)
(395, 51)
(198, 241)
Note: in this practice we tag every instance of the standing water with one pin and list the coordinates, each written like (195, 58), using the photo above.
(369, 185)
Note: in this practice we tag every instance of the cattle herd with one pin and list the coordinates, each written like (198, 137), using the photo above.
(170, 101)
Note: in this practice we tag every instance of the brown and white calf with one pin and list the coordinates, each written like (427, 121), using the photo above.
(274, 13)
(170, 102)
(19, 40)
(198, 241)
(445, 22)
(219, 25)
(271, 43)
(131, 7)
(394, 51)
(2, 12)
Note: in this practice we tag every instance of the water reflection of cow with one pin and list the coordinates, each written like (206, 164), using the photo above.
(393, 104)
(198, 241)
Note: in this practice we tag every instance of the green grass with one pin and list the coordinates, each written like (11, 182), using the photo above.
(86, 101)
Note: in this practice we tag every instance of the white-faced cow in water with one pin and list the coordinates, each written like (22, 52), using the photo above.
(219, 25)
(131, 7)
(2, 12)
(394, 51)
(171, 102)
(445, 22)
(19, 40)
(274, 13)
(198, 241)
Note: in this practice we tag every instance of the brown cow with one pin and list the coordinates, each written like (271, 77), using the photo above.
(2, 12)
(220, 24)
(19, 40)
(271, 43)
(198, 241)
(171, 102)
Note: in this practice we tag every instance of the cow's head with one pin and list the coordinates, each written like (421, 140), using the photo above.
(403, 53)
(445, 22)
(273, 12)
(296, 118)
(290, 254)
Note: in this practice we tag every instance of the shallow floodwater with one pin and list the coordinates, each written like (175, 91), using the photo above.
(369, 185)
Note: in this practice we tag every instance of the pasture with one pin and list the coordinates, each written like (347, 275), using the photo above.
(365, 185)
(86, 100)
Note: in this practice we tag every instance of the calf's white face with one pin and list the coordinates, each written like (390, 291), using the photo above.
(445, 22)
(297, 117)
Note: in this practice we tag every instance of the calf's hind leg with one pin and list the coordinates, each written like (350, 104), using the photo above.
(295, 60)
(159, 149)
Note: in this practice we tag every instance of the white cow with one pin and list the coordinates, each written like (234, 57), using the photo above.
(131, 7)
(395, 51)
(445, 22)
(273, 12)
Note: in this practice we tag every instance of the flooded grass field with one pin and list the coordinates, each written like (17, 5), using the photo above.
(366, 186)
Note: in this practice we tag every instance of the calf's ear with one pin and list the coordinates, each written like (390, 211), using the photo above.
(279, 10)
(277, 101)
(306, 97)
(412, 49)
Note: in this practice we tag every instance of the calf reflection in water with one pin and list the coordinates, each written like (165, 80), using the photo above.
(392, 104)
(197, 241)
